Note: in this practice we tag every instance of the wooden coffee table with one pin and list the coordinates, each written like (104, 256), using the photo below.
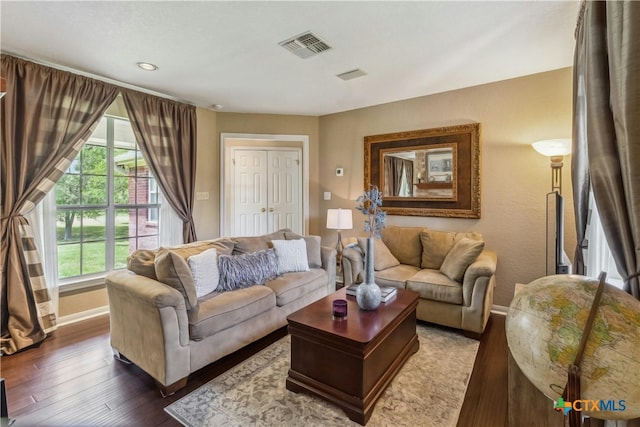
(350, 362)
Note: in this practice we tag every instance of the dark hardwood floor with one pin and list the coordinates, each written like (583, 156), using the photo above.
(72, 379)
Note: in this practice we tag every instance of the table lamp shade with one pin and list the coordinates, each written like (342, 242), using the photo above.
(339, 219)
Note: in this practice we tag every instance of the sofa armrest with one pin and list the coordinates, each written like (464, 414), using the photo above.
(352, 264)
(479, 274)
(328, 256)
(149, 325)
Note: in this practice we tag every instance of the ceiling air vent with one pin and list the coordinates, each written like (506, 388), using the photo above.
(353, 74)
(305, 45)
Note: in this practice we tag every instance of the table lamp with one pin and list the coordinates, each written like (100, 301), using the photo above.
(339, 219)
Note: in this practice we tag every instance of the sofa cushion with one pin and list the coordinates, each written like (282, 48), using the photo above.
(433, 285)
(141, 262)
(247, 245)
(314, 256)
(382, 256)
(223, 246)
(222, 310)
(204, 270)
(461, 256)
(291, 255)
(404, 244)
(291, 286)
(244, 270)
(396, 276)
(437, 244)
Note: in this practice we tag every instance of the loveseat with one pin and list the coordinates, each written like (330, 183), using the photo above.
(169, 319)
(452, 272)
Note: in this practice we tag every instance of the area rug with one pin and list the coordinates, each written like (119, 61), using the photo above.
(428, 391)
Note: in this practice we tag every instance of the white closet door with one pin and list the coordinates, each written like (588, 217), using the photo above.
(266, 191)
(250, 193)
(284, 188)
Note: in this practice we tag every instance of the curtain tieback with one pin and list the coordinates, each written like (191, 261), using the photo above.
(633, 276)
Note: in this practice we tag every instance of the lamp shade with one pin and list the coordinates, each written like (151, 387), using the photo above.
(553, 147)
(339, 219)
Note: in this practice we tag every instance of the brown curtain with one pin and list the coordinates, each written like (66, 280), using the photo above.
(607, 69)
(388, 176)
(166, 134)
(579, 158)
(408, 174)
(47, 115)
(397, 175)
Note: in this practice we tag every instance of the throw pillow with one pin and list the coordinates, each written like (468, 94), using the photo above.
(242, 271)
(382, 256)
(314, 254)
(204, 269)
(291, 254)
(172, 269)
(437, 244)
(460, 257)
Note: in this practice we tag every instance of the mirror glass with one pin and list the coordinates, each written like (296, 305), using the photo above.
(425, 173)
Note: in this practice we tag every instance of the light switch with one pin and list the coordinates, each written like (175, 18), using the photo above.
(327, 195)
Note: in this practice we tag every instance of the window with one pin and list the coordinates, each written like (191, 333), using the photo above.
(598, 256)
(107, 204)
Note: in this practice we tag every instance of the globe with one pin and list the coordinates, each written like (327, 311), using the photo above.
(544, 326)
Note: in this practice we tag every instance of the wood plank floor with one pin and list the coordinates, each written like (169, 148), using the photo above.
(72, 379)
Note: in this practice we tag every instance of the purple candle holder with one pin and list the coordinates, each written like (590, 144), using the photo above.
(339, 309)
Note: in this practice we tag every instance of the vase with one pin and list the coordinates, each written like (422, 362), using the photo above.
(368, 294)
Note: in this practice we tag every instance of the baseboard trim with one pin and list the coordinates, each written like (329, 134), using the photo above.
(83, 315)
(499, 310)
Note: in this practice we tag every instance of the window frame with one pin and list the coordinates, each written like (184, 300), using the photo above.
(91, 279)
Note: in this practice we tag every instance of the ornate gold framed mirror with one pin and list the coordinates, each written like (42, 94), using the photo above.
(430, 172)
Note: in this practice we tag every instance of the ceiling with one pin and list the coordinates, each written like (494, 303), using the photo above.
(227, 53)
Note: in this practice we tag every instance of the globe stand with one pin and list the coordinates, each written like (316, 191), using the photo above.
(572, 390)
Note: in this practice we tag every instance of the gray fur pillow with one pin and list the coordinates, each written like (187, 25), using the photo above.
(242, 271)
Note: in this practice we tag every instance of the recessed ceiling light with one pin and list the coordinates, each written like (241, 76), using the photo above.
(147, 66)
(217, 107)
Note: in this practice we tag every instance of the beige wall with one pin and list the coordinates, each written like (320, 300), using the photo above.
(80, 300)
(206, 212)
(514, 178)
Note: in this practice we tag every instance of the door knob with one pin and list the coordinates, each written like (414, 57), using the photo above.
(270, 209)
(263, 210)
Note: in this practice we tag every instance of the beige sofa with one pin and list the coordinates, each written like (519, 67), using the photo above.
(160, 324)
(452, 272)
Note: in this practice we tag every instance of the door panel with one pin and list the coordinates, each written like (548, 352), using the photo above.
(284, 192)
(250, 193)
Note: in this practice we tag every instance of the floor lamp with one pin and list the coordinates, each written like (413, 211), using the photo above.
(339, 219)
(556, 260)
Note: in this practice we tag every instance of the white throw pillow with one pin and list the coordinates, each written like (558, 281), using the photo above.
(292, 255)
(204, 269)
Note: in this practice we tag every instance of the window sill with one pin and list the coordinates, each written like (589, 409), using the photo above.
(81, 283)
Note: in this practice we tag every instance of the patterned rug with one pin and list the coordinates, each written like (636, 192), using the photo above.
(428, 391)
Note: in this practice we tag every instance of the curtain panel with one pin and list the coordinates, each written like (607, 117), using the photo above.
(47, 115)
(607, 69)
(166, 134)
